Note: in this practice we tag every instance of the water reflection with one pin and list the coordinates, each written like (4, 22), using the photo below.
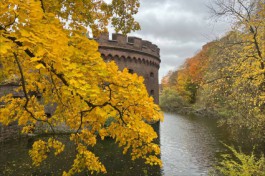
(15, 161)
(189, 145)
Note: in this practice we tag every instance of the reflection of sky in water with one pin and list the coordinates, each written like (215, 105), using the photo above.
(188, 145)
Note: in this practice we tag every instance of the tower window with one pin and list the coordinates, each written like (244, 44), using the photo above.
(151, 74)
(48, 115)
(130, 71)
(152, 92)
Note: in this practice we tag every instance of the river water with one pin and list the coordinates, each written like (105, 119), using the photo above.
(190, 146)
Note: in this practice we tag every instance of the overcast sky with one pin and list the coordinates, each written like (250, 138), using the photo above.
(179, 27)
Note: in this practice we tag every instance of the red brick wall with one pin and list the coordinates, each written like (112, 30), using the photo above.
(135, 54)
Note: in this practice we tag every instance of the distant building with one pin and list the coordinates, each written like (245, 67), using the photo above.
(139, 56)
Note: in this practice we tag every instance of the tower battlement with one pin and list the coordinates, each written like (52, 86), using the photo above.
(137, 55)
(129, 43)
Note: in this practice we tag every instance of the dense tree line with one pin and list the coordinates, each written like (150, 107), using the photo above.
(228, 75)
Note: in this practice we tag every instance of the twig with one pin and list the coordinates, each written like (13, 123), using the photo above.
(26, 94)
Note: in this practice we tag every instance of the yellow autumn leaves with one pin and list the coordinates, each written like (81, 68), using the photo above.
(41, 149)
(62, 80)
(235, 78)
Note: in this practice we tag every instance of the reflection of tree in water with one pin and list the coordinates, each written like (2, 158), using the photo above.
(16, 161)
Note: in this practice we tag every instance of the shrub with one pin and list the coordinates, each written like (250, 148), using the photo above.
(240, 164)
(171, 101)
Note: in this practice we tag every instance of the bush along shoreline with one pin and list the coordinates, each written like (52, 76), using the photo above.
(171, 101)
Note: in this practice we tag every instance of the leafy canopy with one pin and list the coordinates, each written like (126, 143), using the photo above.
(228, 75)
(236, 77)
(44, 49)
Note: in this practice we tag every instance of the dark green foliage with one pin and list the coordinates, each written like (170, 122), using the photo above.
(171, 101)
(192, 89)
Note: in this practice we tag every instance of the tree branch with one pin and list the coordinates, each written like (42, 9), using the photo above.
(42, 5)
(26, 94)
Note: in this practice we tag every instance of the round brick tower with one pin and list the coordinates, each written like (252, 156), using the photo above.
(139, 56)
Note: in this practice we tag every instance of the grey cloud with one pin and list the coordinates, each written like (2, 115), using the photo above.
(178, 27)
(164, 71)
(194, 6)
(182, 27)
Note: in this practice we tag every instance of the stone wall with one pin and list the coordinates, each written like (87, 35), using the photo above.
(9, 132)
(12, 130)
(139, 56)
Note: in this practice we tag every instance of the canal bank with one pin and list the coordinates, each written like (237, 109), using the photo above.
(189, 146)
